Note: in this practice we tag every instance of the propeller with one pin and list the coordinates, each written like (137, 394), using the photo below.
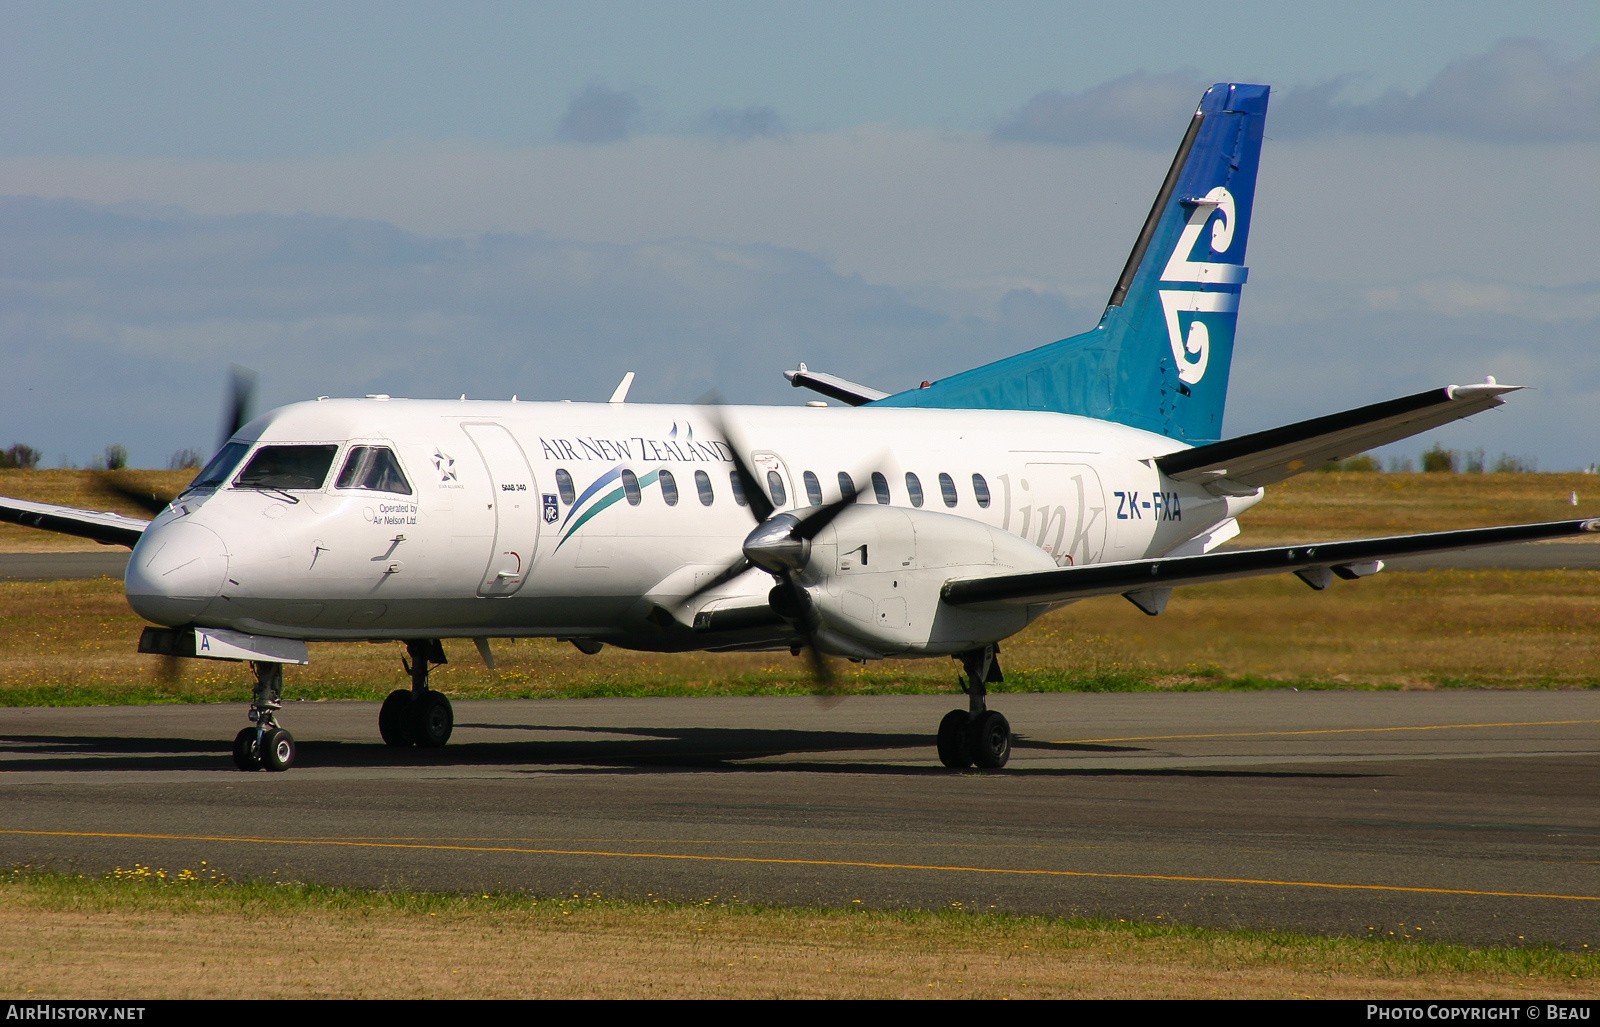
(241, 394)
(780, 544)
(124, 487)
(236, 414)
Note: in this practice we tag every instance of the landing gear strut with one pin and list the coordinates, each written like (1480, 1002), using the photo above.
(418, 715)
(976, 735)
(266, 746)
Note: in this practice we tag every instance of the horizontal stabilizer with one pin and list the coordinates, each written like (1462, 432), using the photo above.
(832, 386)
(1251, 461)
(1351, 559)
(102, 526)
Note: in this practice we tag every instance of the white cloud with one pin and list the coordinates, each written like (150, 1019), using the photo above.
(1139, 108)
(1517, 91)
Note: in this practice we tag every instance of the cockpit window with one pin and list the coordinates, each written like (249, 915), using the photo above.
(375, 468)
(287, 467)
(216, 472)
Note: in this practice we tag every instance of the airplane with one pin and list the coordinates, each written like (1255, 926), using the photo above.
(933, 522)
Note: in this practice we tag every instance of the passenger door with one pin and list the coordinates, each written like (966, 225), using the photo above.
(516, 506)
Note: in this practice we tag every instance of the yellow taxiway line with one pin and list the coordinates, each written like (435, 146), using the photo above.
(798, 862)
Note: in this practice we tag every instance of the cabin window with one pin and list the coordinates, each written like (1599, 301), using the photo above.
(216, 472)
(847, 486)
(980, 489)
(813, 489)
(914, 487)
(880, 488)
(287, 467)
(669, 487)
(738, 488)
(630, 488)
(374, 468)
(569, 495)
(780, 495)
(702, 483)
(947, 489)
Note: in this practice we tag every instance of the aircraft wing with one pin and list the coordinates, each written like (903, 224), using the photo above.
(104, 527)
(1148, 582)
(1246, 463)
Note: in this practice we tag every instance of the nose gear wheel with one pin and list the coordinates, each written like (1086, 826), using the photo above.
(265, 746)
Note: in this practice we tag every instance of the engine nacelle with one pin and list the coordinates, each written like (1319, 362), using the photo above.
(875, 573)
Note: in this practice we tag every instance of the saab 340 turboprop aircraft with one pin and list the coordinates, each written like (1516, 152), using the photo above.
(928, 523)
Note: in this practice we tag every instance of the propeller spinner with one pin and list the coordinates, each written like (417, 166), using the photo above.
(780, 544)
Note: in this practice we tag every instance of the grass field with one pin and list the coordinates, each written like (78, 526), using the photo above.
(1317, 507)
(186, 933)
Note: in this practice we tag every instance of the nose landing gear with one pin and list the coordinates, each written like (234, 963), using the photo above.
(266, 746)
(976, 735)
(418, 715)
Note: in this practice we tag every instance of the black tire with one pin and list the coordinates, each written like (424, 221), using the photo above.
(432, 720)
(394, 718)
(244, 750)
(954, 752)
(989, 740)
(277, 750)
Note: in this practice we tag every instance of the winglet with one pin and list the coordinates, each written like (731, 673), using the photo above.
(621, 393)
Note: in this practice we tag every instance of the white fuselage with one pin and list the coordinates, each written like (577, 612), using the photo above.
(493, 541)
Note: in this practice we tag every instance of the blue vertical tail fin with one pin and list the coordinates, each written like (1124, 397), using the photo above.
(1160, 356)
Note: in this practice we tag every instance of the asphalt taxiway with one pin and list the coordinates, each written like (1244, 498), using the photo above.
(1468, 816)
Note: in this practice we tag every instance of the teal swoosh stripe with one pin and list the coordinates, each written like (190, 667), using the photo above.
(610, 497)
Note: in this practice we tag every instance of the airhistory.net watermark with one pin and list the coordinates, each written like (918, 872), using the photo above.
(75, 1011)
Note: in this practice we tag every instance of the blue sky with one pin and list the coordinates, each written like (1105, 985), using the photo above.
(428, 199)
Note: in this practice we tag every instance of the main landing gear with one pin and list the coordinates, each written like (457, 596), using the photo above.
(266, 746)
(418, 715)
(976, 735)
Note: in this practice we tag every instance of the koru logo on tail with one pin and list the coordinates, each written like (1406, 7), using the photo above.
(1192, 350)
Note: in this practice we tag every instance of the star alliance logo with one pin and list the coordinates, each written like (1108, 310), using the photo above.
(445, 464)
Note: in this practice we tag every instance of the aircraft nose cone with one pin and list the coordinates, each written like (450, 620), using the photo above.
(175, 572)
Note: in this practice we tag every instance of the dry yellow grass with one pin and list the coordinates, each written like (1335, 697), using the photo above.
(95, 941)
(1318, 507)
(1486, 627)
